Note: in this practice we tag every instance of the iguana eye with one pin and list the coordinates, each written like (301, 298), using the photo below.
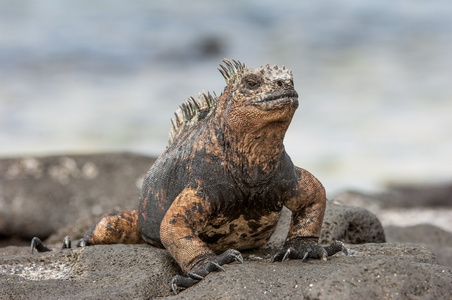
(251, 84)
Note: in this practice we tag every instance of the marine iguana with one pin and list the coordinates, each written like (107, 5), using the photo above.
(222, 181)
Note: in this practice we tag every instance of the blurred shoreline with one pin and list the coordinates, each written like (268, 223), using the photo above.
(373, 79)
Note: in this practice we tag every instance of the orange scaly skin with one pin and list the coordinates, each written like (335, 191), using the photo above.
(222, 181)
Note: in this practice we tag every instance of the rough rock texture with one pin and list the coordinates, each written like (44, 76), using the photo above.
(354, 225)
(415, 214)
(349, 224)
(402, 196)
(430, 203)
(140, 272)
(437, 240)
(98, 272)
(377, 271)
(39, 195)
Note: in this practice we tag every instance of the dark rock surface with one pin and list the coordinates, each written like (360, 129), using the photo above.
(415, 209)
(39, 195)
(349, 224)
(400, 196)
(432, 195)
(377, 271)
(437, 240)
(98, 272)
(142, 272)
(353, 225)
(63, 195)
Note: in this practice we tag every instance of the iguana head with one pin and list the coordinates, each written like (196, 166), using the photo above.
(255, 98)
(253, 101)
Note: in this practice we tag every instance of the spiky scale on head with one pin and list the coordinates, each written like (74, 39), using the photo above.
(276, 72)
(236, 75)
(232, 70)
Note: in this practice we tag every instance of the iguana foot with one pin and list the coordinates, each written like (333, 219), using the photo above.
(212, 264)
(37, 244)
(304, 249)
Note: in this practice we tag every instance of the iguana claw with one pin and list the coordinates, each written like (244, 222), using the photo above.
(37, 244)
(305, 256)
(230, 256)
(182, 282)
(290, 252)
(309, 251)
(335, 247)
(67, 243)
(195, 276)
(213, 264)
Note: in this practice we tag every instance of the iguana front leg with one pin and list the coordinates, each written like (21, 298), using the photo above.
(308, 208)
(178, 233)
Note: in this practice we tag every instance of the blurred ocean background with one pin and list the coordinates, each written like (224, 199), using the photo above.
(374, 78)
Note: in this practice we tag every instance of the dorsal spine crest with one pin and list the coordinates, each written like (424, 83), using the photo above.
(188, 113)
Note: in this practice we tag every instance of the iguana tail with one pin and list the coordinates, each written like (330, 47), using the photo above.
(115, 228)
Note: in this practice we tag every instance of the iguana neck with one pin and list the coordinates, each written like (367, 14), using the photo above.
(254, 153)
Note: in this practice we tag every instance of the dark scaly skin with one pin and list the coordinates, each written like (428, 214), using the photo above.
(114, 228)
(220, 185)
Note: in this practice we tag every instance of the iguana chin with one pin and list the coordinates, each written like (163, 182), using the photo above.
(222, 181)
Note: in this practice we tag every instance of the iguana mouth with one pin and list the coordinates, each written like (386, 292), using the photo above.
(277, 100)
